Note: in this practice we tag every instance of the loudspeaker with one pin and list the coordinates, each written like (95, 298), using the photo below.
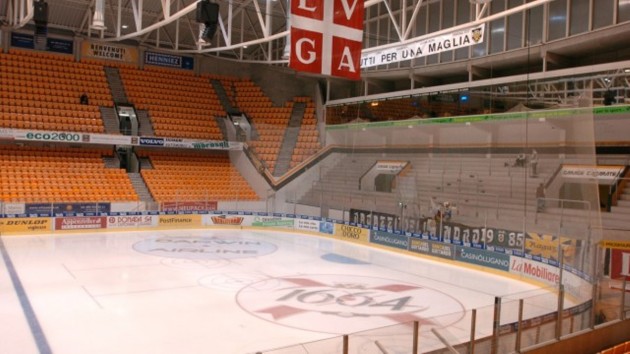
(207, 12)
(40, 13)
(609, 98)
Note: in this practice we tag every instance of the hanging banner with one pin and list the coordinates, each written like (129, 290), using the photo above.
(109, 52)
(433, 45)
(326, 37)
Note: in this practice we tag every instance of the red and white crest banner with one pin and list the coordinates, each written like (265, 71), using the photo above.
(326, 37)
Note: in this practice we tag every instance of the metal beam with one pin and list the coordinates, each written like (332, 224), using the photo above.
(156, 25)
(554, 74)
(459, 27)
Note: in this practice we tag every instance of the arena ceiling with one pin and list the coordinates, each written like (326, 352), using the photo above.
(255, 31)
(248, 30)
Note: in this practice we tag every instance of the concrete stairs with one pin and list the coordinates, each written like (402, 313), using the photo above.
(619, 215)
(145, 163)
(221, 123)
(144, 123)
(115, 85)
(283, 162)
(111, 162)
(110, 120)
(223, 97)
(140, 187)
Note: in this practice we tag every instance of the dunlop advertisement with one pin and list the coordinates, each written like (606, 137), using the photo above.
(351, 233)
(19, 225)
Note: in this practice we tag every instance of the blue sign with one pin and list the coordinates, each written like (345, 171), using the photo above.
(21, 40)
(168, 60)
(326, 227)
(151, 141)
(483, 258)
(62, 209)
(389, 239)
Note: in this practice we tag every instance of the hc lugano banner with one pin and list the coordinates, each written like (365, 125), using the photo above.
(326, 37)
(433, 45)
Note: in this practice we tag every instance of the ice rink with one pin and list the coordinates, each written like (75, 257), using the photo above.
(223, 292)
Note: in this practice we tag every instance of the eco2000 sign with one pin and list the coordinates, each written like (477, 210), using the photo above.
(53, 136)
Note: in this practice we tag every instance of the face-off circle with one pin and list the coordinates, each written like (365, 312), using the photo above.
(341, 304)
(204, 247)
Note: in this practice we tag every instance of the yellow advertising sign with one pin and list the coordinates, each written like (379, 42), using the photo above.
(547, 246)
(615, 244)
(109, 52)
(25, 225)
(352, 233)
(177, 221)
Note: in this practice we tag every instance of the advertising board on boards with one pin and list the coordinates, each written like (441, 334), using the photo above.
(389, 239)
(307, 225)
(179, 221)
(131, 221)
(25, 224)
(80, 223)
(351, 233)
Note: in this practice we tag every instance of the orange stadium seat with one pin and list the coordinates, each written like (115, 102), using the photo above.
(194, 177)
(34, 174)
(46, 80)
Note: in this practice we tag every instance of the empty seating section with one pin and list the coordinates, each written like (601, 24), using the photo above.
(308, 137)
(623, 348)
(42, 91)
(403, 108)
(180, 104)
(189, 176)
(49, 175)
(446, 105)
(270, 122)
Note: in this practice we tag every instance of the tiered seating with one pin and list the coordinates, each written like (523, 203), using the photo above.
(270, 122)
(32, 174)
(179, 103)
(399, 109)
(41, 91)
(623, 348)
(342, 114)
(403, 108)
(308, 137)
(189, 176)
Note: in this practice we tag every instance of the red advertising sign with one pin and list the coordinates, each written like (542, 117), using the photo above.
(81, 223)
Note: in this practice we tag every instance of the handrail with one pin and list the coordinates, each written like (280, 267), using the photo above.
(562, 207)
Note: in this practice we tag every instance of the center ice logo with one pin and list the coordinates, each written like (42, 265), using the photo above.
(346, 303)
(190, 247)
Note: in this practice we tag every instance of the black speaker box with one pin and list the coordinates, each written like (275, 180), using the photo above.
(40, 13)
(207, 12)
